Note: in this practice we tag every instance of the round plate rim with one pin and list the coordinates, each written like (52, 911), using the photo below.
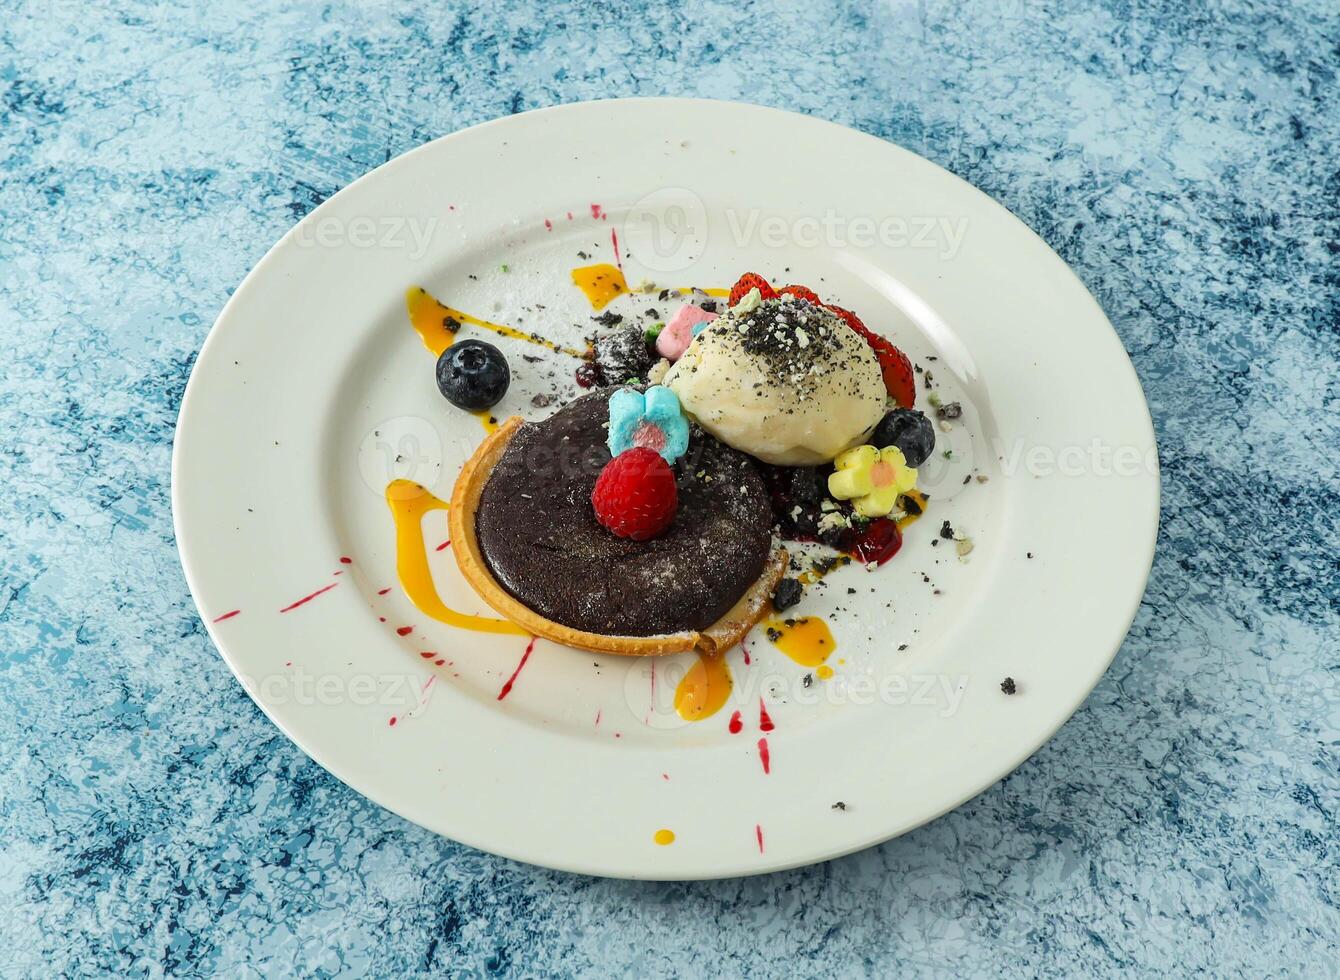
(1144, 545)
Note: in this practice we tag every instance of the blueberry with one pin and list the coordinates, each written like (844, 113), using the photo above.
(473, 375)
(910, 431)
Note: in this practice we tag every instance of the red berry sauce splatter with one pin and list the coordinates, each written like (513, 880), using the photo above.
(764, 719)
(308, 598)
(507, 688)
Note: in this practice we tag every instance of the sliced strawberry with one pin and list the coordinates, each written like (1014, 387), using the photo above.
(748, 281)
(896, 369)
(802, 292)
(852, 320)
(899, 381)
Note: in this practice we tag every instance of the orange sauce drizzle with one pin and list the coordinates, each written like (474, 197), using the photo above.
(429, 318)
(808, 640)
(709, 290)
(487, 419)
(601, 283)
(437, 323)
(704, 688)
(409, 502)
(664, 836)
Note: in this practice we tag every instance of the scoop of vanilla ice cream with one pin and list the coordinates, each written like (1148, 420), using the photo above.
(783, 380)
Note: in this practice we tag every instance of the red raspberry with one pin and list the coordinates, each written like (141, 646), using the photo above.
(635, 495)
(802, 292)
(748, 281)
(899, 381)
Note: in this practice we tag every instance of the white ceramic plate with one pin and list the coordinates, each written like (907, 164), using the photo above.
(312, 392)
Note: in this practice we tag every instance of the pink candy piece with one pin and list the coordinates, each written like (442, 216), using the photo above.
(675, 338)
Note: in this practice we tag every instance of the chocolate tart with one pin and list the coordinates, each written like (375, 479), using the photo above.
(526, 538)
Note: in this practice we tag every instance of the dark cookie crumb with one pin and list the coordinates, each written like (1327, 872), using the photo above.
(839, 805)
(946, 531)
(788, 593)
(832, 537)
(623, 356)
(1007, 686)
(822, 566)
(793, 341)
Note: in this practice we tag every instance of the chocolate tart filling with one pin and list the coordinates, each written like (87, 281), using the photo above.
(542, 543)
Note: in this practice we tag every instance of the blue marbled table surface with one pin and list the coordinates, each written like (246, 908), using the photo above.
(1183, 160)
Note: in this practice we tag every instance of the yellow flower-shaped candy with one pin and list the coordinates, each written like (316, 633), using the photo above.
(872, 479)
